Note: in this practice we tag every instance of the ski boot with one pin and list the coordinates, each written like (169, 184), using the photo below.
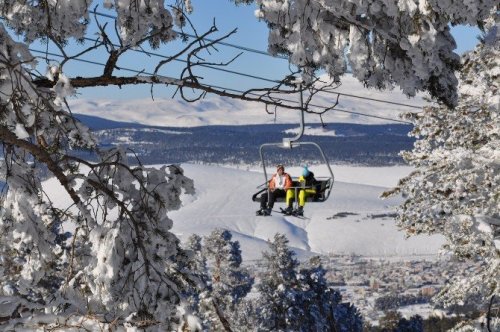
(299, 212)
(263, 212)
(288, 211)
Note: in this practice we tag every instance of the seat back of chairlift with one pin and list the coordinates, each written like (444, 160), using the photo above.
(324, 186)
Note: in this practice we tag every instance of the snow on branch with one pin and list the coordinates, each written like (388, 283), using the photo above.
(454, 191)
(398, 42)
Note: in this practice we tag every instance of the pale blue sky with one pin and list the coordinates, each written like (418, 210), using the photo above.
(251, 33)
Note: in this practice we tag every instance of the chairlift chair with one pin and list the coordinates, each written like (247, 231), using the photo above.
(324, 187)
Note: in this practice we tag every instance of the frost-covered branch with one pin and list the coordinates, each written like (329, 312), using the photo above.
(454, 190)
(123, 260)
(42, 156)
(271, 97)
(397, 42)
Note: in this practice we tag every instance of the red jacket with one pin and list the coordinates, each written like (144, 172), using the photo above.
(288, 181)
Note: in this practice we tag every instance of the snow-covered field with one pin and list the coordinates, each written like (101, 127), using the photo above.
(354, 220)
(363, 225)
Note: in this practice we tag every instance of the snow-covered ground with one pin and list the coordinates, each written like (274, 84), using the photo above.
(354, 220)
(364, 227)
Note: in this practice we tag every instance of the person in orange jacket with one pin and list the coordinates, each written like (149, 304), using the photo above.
(278, 185)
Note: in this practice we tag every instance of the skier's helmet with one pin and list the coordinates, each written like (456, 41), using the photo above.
(305, 171)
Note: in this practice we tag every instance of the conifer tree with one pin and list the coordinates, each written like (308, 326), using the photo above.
(290, 300)
(323, 310)
(402, 42)
(454, 189)
(319, 299)
(413, 324)
(229, 281)
(279, 306)
(348, 318)
(198, 293)
(390, 320)
(245, 315)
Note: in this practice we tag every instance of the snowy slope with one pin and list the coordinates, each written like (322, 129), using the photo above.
(223, 199)
(353, 221)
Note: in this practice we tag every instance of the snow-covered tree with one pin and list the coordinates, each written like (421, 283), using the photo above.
(279, 306)
(348, 318)
(221, 283)
(197, 294)
(230, 282)
(319, 299)
(323, 310)
(293, 300)
(121, 259)
(245, 315)
(402, 42)
(455, 188)
(197, 263)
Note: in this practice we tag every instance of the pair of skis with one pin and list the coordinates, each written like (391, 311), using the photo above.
(294, 213)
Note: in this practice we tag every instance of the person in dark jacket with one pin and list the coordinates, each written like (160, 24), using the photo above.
(308, 183)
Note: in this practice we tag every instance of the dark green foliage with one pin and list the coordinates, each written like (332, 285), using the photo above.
(442, 324)
(348, 318)
(414, 324)
(362, 144)
(394, 301)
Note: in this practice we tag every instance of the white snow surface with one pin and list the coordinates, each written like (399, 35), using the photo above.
(318, 131)
(215, 110)
(223, 200)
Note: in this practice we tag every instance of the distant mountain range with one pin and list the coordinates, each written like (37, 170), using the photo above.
(378, 107)
(347, 143)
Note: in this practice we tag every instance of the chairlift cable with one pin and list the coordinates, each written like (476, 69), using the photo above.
(225, 88)
(252, 50)
(249, 75)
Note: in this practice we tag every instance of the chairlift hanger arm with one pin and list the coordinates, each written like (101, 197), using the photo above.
(287, 142)
(294, 141)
